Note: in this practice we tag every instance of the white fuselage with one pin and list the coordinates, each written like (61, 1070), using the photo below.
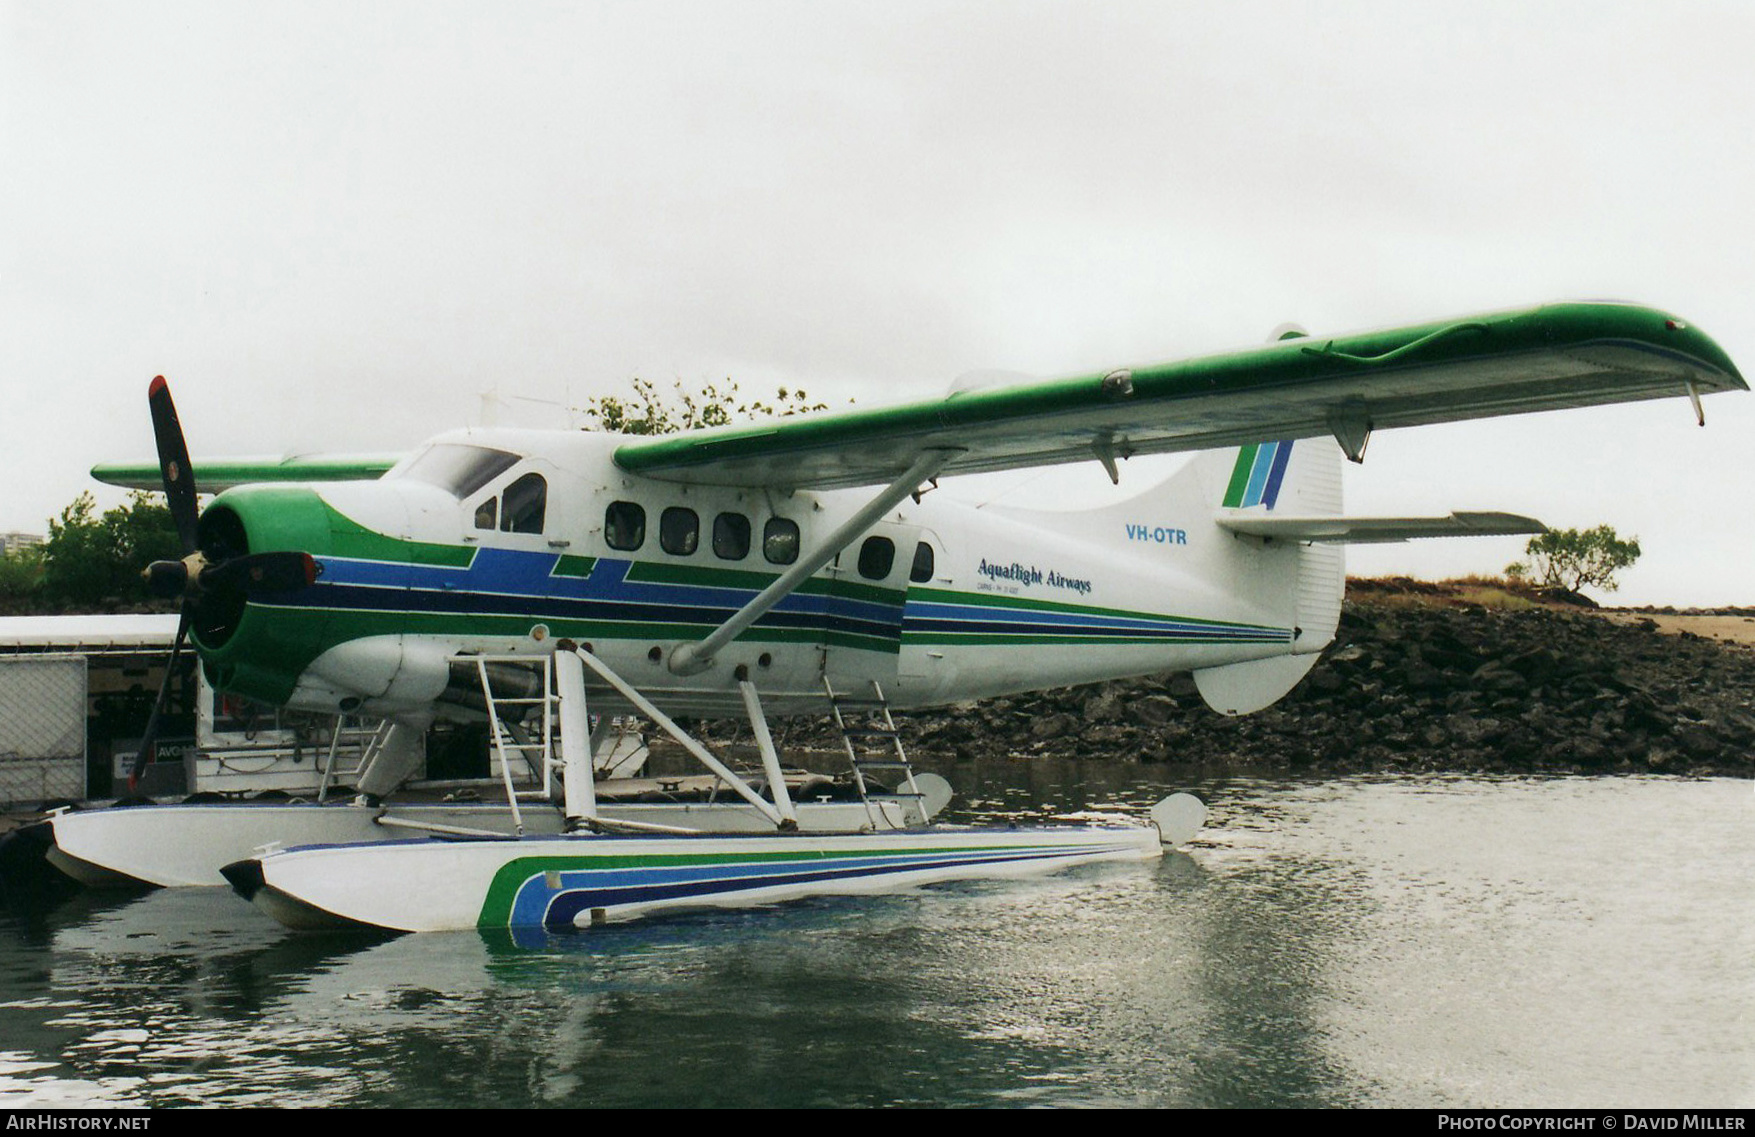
(938, 601)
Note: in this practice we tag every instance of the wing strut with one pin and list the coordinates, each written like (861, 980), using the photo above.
(691, 659)
(702, 755)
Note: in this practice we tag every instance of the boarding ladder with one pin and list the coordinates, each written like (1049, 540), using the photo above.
(870, 737)
(369, 739)
(537, 752)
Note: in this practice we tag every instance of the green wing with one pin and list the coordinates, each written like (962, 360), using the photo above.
(1547, 358)
(224, 473)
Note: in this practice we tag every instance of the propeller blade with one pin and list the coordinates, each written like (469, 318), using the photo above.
(150, 739)
(173, 462)
(262, 572)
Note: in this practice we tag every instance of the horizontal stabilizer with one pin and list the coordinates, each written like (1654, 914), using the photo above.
(215, 474)
(1369, 530)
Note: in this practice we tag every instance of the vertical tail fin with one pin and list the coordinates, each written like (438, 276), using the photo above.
(1301, 478)
(1221, 575)
(1304, 581)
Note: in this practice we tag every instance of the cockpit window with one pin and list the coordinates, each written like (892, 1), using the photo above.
(458, 468)
(526, 500)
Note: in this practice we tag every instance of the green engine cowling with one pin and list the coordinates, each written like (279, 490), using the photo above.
(258, 647)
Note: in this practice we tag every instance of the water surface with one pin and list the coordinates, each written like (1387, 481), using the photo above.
(1411, 942)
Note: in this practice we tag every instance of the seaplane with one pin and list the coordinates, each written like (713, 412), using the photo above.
(800, 566)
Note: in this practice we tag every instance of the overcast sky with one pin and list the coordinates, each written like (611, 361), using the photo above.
(334, 226)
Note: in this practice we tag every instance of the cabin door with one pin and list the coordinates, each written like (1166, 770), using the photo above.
(863, 599)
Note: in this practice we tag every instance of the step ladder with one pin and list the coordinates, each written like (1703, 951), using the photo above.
(367, 739)
(870, 737)
(536, 752)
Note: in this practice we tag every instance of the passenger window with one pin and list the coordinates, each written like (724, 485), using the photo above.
(731, 536)
(526, 501)
(876, 557)
(780, 541)
(922, 570)
(487, 514)
(679, 530)
(624, 526)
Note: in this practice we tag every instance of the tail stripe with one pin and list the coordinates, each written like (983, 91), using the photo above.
(1258, 473)
(1240, 476)
(1282, 455)
(1256, 477)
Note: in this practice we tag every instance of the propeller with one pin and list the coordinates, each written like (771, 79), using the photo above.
(149, 740)
(197, 578)
(173, 462)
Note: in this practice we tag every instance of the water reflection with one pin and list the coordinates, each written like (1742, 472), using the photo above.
(1415, 942)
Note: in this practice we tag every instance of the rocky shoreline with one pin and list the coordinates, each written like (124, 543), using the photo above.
(1418, 679)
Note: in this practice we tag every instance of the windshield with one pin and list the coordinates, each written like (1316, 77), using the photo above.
(458, 468)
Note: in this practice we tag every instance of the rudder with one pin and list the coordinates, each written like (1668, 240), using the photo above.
(1301, 477)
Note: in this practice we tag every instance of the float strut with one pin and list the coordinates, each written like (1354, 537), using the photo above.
(577, 777)
(770, 757)
(669, 726)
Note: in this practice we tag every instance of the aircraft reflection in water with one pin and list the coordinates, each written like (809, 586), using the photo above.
(1354, 941)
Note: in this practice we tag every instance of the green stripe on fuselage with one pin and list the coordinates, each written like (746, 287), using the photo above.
(706, 576)
(574, 566)
(993, 600)
(344, 624)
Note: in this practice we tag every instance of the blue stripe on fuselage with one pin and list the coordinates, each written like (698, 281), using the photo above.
(520, 582)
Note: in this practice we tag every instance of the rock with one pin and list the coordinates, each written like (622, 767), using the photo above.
(1697, 742)
(1495, 675)
(1053, 726)
(1103, 706)
(1417, 683)
(1152, 710)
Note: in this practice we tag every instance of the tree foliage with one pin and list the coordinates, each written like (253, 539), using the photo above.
(89, 560)
(21, 579)
(650, 410)
(92, 560)
(1573, 559)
